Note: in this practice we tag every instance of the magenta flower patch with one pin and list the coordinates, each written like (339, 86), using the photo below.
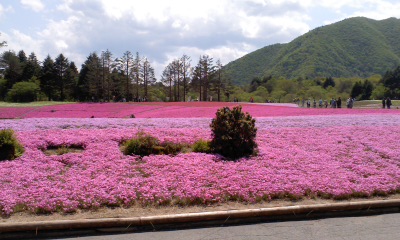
(335, 156)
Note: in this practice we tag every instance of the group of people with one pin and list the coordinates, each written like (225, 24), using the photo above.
(386, 102)
(333, 103)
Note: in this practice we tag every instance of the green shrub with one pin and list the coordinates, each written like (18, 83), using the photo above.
(23, 92)
(10, 148)
(142, 145)
(171, 148)
(233, 133)
(63, 149)
(202, 146)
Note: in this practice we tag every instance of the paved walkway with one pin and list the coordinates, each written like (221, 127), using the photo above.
(386, 226)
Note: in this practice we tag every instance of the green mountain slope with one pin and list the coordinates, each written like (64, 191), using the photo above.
(355, 47)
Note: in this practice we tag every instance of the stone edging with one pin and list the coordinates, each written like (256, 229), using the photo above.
(195, 217)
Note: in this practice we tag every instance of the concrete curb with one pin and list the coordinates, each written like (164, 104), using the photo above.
(197, 217)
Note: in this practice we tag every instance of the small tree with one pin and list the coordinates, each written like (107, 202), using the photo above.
(328, 82)
(233, 133)
(10, 148)
(23, 92)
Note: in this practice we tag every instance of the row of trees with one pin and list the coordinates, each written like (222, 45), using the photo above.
(105, 78)
(131, 77)
(285, 90)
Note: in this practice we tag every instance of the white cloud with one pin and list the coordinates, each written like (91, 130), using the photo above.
(4, 10)
(164, 30)
(19, 41)
(36, 5)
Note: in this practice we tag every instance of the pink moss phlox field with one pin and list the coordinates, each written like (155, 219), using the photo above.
(172, 110)
(336, 156)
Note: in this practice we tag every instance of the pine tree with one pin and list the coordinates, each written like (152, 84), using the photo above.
(186, 71)
(147, 76)
(47, 81)
(61, 66)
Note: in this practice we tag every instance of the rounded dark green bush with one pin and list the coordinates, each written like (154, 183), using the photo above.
(233, 133)
(10, 148)
(23, 92)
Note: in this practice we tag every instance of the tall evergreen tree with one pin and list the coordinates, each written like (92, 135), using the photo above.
(147, 76)
(31, 68)
(136, 71)
(166, 79)
(71, 81)
(13, 68)
(186, 73)
(107, 65)
(357, 89)
(126, 63)
(47, 80)
(61, 67)
(91, 78)
(202, 76)
(176, 77)
(368, 87)
(22, 56)
(218, 84)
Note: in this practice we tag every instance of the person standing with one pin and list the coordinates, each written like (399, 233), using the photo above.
(333, 103)
(383, 102)
(339, 103)
(388, 102)
(349, 102)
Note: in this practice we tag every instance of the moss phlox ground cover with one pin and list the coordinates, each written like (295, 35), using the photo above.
(333, 156)
(170, 110)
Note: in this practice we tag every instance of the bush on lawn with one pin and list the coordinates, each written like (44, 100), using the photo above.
(10, 148)
(23, 92)
(233, 133)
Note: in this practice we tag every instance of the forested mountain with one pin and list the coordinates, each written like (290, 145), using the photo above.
(354, 47)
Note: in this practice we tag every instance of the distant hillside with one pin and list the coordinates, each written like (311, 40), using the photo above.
(355, 47)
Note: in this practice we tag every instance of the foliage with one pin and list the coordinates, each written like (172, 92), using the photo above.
(378, 92)
(362, 91)
(104, 177)
(23, 92)
(328, 82)
(144, 145)
(355, 47)
(347, 51)
(63, 149)
(391, 80)
(367, 90)
(10, 148)
(3, 88)
(233, 133)
(202, 145)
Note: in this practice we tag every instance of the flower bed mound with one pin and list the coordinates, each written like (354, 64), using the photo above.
(337, 157)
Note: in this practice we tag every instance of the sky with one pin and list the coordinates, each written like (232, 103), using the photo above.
(164, 30)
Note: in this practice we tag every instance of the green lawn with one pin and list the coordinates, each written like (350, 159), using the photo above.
(32, 104)
(374, 104)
